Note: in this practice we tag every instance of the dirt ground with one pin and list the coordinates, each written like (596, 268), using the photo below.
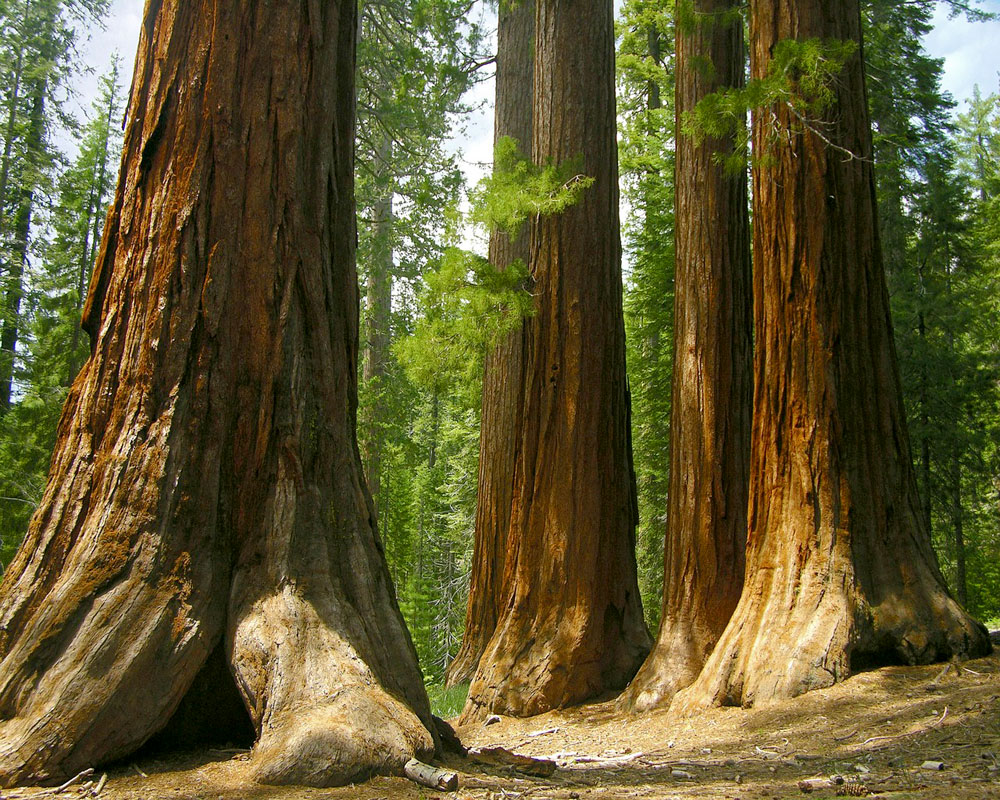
(875, 731)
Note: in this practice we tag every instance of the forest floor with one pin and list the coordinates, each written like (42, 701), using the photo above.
(875, 731)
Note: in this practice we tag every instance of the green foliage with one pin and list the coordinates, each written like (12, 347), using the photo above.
(447, 703)
(431, 570)
(689, 18)
(518, 190)
(467, 307)
(416, 60)
(646, 158)
(800, 79)
(944, 289)
(50, 216)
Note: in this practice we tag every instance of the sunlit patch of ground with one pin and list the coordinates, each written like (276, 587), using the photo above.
(874, 730)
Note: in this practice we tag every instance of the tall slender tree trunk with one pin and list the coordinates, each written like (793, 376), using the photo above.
(925, 439)
(10, 328)
(10, 129)
(92, 230)
(206, 487)
(503, 375)
(572, 627)
(840, 570)
(957, 520)
(377, 333)
(711, 403)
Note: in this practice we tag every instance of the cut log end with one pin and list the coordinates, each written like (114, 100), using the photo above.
(430, 776)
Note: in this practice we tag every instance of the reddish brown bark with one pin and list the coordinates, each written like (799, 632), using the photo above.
(711, 403)
(573, 625)
(503, 374)
(840, 570)
(206, 485)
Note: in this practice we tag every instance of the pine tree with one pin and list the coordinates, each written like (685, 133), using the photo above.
(56, 347)
(415, 63)
(936, 278)
(37, 40)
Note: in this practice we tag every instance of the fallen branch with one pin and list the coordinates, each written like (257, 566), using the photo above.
(79, 777)
(607, 761)
(431, 777)
(940, 719)
(941, 674)
(871, 739)
(100, 784)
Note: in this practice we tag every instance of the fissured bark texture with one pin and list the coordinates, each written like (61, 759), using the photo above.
(206, 484)
(503, 375)
(840, 570)
(712, 388)
(572, 627)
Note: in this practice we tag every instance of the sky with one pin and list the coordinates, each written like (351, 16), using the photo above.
(971, 53)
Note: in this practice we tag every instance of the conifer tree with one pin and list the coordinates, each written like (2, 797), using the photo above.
(573, 626)
(840, 570)
(503, 372)
(645, 72)
(206, 492)
(710, 423)
(55, 349)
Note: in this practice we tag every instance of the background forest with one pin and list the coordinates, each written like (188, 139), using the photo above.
(938, 173)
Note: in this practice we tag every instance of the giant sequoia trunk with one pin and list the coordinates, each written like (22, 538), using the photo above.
(840, 570)
(710, 411)
(572, 626)
(206, 485)
(503, 374)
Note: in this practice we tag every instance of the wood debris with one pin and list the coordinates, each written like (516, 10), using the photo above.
(431, 777)
(812, 784)
(501, 757)
(75, 779)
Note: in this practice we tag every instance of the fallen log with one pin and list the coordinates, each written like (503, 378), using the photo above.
(431, 777)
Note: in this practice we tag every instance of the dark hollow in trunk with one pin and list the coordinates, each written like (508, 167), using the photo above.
(572, 627)
(712, 390)
(840, 570)
(206, 485)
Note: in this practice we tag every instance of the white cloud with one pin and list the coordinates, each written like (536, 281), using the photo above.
(121, 35)
(971, 52)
